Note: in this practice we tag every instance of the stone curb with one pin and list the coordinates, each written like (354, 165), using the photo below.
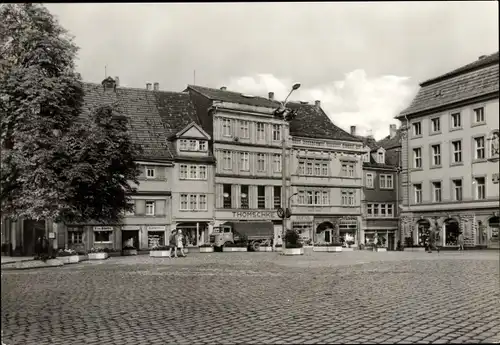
(4, 262)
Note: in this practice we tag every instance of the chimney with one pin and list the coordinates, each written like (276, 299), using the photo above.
(117, 81)
(317, 103)
(481, 57)
(271, 95)
(392, 131)
(156, 86)
(370, 134)
(353, 130)
(148, 86)
(109, 84)
(223, 88)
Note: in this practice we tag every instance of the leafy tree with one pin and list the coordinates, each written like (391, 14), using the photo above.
(56, 163)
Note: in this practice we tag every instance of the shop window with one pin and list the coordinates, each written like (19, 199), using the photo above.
(102, 236)
(75, 236)
(156, 238)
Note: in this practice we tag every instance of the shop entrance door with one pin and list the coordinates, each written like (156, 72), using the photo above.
(390, 241)
(32, 230)
(130, 238)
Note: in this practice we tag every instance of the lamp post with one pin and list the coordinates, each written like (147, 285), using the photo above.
(283, 164)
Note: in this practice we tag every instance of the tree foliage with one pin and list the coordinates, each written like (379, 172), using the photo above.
(56, 163)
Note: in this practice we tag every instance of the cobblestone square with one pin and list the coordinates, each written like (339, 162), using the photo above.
(258, 298)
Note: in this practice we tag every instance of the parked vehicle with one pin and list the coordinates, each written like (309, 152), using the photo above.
(255, 234)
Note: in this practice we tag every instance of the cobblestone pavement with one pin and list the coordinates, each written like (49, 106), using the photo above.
(258, 298)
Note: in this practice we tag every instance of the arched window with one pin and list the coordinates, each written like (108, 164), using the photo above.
(494, 145)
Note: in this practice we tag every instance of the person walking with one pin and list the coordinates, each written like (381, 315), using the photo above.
(432, 241)
(38, 246)
(45, 245)
(460, 241)
(172, 243)
(179, 243)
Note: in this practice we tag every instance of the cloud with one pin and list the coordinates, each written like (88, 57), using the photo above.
(369, 103)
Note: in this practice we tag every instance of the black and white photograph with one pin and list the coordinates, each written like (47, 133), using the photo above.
(250, 173)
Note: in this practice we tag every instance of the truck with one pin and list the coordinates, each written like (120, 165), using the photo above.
(255, 234)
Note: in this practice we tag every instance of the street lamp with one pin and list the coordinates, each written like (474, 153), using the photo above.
(284, 204)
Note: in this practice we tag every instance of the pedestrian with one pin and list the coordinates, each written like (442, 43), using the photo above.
(460, 241)
(38, 246)
(45, 245)
(171, 242)
(432, 241)
(179, 243)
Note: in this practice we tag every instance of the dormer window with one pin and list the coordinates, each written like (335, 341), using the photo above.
(192, 145)
(150, 172)
(366, 157)
(380, 157)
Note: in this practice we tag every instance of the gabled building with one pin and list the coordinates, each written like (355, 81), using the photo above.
(450, 156)
(380, 189)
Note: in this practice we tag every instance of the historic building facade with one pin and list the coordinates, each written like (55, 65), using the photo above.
(450, 157)
(380, 190)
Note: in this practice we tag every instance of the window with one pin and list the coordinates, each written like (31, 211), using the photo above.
(277, 163)
(193, 201)
(313, 197)
(480, 188)
(436, 155)
(202, 145)
(417, 189)
(317, 169)
(479, 148)
(417, 129)
(369, 180)
(132, 211)
(324, 169)
(380, 158)
(457, 190)
(277, 197)
(348, 198)
(366, 157)
(202, 173)
(456, 121)
(386, 181)
(417, 158)
(245, 161)
(184, 201)
(376, 208)
(226, 127)
(102, 236)
(479, 115)
(261, 197)
(244, 196)
(276, 132)
(150, 172)
(436, 125)
(436, 191)
(183, 171)
(193, 172)
(184, 145)
(75, 236)
(379, 210)
(226, 157)
(309, 168)
(348, 169)
(260, 131)
(457, 151)
(226, 190)
(244, 130)
(193, 145)
(261, 162)
(302, 168)
(150, 208)
(390, 210)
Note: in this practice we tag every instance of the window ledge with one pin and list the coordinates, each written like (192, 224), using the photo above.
(180, 210)
(476, 124)
(456, 164)
(435, 133)
(387, 188)
(456, 129)
(479, 160)
(436, 166)
(417, 136)
(416, 169)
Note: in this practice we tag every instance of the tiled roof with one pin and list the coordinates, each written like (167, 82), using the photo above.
(368, 141)
(477, 79)
(232, 97)
(390, 143)
(152, 116)
(312, 122)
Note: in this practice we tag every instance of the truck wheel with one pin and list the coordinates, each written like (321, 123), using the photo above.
(255, 246)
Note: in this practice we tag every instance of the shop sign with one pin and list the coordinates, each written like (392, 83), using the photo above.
(52, 235)
(156, 228)
(131, 227)
(103, 228)
(254, 214)
(302, 218)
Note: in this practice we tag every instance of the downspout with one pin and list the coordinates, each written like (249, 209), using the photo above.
(212, 110)
(408, 164)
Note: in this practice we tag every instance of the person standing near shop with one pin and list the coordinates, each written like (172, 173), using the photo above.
(179, 243)
(460, 241)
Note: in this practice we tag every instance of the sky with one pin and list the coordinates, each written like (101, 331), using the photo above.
(364, 61)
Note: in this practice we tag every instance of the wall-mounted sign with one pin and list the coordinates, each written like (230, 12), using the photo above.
(156, 228)
(495, 178)
(131, 227)
(52, 235)
(302, 218)
(254, 214)
(103, 228)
